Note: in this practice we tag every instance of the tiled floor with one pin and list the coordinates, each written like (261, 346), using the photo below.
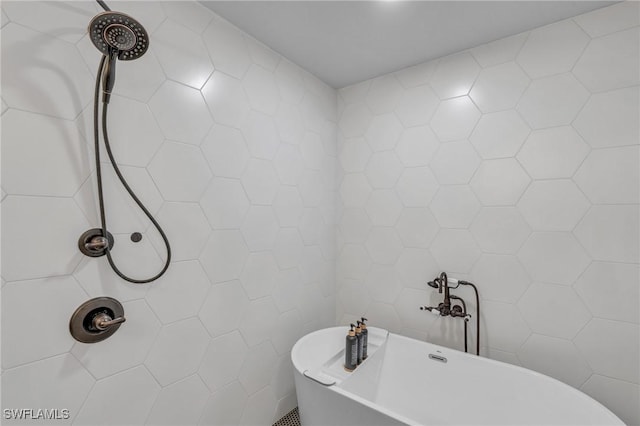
(292, 418)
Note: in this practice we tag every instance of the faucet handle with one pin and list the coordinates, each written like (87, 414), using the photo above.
(103, 321)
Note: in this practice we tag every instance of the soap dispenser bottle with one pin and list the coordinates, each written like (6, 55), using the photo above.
(359, 340)
(351, 351)
(365, 337)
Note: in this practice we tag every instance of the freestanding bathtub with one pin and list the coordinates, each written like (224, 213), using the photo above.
(408, 382)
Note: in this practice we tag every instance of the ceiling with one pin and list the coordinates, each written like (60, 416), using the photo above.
(344, 42)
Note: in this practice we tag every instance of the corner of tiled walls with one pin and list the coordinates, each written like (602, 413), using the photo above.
(515, 165)
(233, 148)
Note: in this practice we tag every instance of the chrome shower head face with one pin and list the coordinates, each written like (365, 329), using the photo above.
(115, 31)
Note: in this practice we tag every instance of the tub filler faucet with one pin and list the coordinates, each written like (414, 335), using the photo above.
(445, 308)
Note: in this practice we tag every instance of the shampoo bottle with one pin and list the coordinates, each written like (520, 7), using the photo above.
(365, 337)
(359, 341)
(351, 351)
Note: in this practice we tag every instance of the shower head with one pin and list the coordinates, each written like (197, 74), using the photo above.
(434, 283)
(117, 34)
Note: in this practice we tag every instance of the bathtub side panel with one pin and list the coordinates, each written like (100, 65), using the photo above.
(322, 406)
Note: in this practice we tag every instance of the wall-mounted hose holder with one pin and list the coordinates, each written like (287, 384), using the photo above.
(91, 243)
(96, 320)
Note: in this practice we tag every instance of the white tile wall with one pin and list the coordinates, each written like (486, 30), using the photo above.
(232, 147)
(513, 164)
(523, 178)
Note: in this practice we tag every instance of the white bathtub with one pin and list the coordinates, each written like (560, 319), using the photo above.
(400, 384)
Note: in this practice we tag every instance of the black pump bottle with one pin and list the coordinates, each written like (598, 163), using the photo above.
(351, 351)
(365, 337)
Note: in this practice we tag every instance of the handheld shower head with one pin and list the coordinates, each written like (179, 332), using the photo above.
(434, 283)
(119, 36)
(116, 31)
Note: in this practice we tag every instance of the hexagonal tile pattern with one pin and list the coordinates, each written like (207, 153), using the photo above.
(52, 70)
(289, 247)
(383, 94)
(552, 101)
(508, 330)
(128, 347)
(455, 119)
(226, 99)
(552, 49)
(610, 118)
(260, 182)
(225, 406)
(500, 230)
(181, 402)
(455, 163)
(503, 279)
(454, 75)
(553, 205)
(566, 364)
(289, 123)
(179, 293)
(131, 395)
(611, 176)
(182, 54)
(19, 297)
(383, 207)
(455, 206)
(416, 106)
(553, 153)
(599, 342)
(288, 206)
(312, 150)
(383, 245)
(228, 350)
(224, 255)
(29, 170)
(353, 262)
(225, 203)
(355, 120)
(261, 135)
(181, 113)
(259, 275)
(417, 186)
(455, 250)
(227, 48)
(185, 340)
(354, 155)
(415, 264)
(416, 146)
(554, 310)
(260, 228)
(499, 51)
(610, 62)
(609, 233)
(23, 223)
(260, 406)
(257, 324)
(261, 89)
(38, 384)
(226, 151)
(186, 227)
(180, 171)
(499, 88)
(499, 134)
(499, 182)
(224, 307)
(383, 132)
(383, 170)
(553, 257)
(355, 190)
(417, 227)
(609, 290)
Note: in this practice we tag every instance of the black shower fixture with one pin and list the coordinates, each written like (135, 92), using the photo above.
(118, 37)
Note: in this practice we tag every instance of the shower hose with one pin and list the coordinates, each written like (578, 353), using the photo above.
(103, 217)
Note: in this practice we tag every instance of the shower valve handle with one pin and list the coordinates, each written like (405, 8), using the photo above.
(104, 321)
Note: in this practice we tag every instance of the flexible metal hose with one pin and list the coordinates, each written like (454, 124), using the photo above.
(103, 218)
